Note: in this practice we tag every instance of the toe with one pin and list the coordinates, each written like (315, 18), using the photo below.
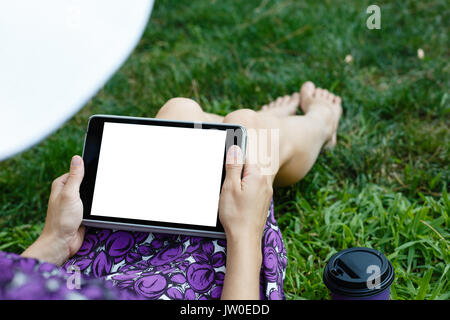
(320, 92)
(306, 94)
(295, 98)
(337, 99)
(307, 89)
(330, 96)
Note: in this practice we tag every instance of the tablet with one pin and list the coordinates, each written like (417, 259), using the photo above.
(145, 174)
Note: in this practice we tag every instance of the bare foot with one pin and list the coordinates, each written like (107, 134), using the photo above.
(283, 106)
(321, 103)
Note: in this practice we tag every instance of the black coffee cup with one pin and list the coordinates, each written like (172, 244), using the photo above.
(359, 274)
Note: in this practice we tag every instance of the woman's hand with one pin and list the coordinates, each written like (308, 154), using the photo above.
(62, 235)
(244, 202)
(243, 208)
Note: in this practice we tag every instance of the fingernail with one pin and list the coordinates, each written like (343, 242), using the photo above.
(234, 155)
(76, 161)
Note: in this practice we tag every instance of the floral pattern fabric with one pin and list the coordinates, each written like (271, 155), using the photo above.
(166, 266)
(118, 264)
(31, 279)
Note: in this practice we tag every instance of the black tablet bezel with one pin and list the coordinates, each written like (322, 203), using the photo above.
(236, 135)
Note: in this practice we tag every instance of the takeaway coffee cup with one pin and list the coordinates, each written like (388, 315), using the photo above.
(359, 274)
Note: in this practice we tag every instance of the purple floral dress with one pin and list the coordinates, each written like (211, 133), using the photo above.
(138, 265)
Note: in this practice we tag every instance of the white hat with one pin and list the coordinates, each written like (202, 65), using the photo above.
(54, 56)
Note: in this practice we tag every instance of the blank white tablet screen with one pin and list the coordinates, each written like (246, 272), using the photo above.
(157, 173)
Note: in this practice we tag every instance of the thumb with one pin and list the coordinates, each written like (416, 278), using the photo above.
(234, 163)
(75, 177)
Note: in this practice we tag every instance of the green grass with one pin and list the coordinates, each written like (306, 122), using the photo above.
(385, 184)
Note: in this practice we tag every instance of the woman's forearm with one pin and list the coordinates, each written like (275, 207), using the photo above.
(244, 202)
(243, 267)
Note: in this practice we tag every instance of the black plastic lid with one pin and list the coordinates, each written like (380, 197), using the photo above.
(348, 271)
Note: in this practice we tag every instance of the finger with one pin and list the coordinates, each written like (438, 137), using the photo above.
(251, 170)
(252, 173)
(58, 184)
(82, 232)
(76, 174)
(234, 163)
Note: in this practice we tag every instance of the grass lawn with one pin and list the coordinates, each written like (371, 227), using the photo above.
(384, 186)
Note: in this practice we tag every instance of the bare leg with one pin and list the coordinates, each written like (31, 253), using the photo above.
(304, 136)
(300, 137)
(187, 110)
